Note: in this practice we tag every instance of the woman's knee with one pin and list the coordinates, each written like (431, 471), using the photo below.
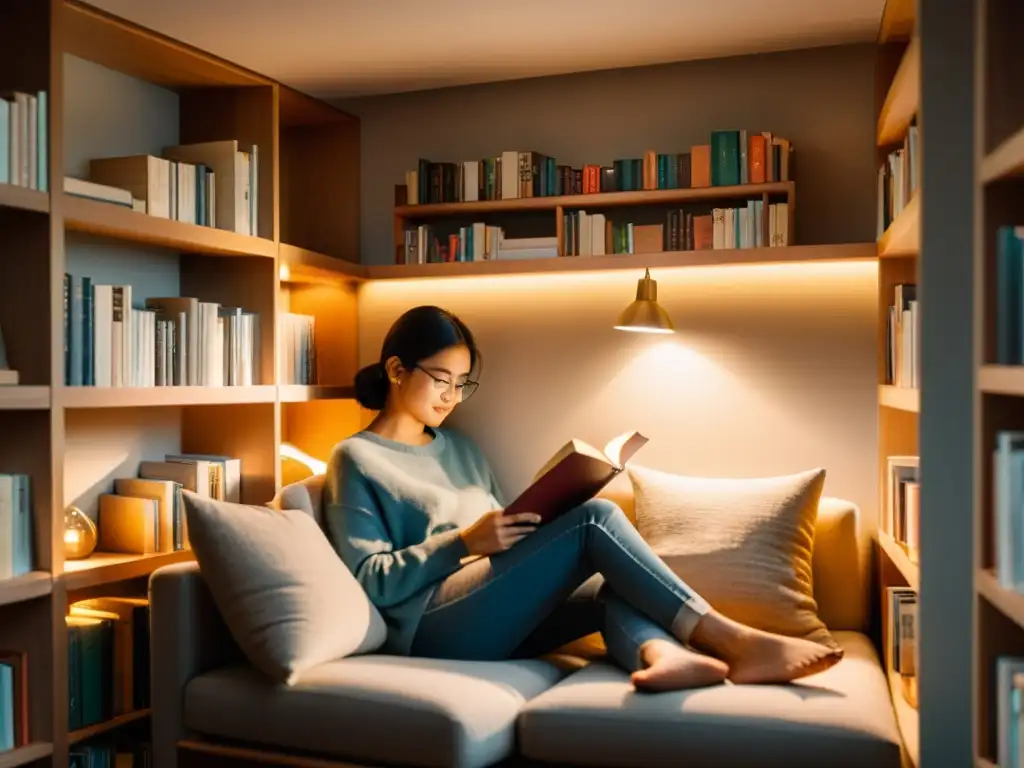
(601, 509)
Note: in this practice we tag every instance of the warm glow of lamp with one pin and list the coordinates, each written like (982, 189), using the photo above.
(80, 534)
(315, 466)
(645, 315)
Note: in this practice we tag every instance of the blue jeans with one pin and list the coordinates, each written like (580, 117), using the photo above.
(586, 571)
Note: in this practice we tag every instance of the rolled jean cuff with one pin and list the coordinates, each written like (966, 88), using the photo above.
(692, 611)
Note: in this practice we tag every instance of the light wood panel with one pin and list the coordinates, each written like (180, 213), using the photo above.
(22, 397)
(901, 398)
(903, 237)
(121, 223)
(24, 199)
(26, 587)
(898, 21)
(903, 99)
(137, 397)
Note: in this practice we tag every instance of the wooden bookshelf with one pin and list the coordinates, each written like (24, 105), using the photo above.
(20, 397)
(777, 255)
(75, 440)
(999, 399)
(26, 587)
(26, 755)
(81, 734)
(903, 98)
(107, 567)
(898, 90)
(109, 220)
(900, 398)
(24, 199)
(142, 397)
(903, 236)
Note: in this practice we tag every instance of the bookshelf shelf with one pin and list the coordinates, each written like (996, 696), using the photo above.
(906, 717)
(1008, 602)
(898, 556)
(141, 397)
(596, 200)
(26, 755)
(900, 398)
(981, 762)
(27, 587)
(903, 237)
(897, 21)
(778, 255)
(903, 97)
(106, 567)
(24, 398)
(110, 220)
(299, 265)
(107, 725)
(300, 393)
(1001, 379)
(24, 198)
(1005, 161)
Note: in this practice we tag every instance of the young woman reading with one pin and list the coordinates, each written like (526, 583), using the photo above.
(408, 501)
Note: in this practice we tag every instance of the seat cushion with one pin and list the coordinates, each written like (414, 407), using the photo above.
(376, 709)
(840, 717)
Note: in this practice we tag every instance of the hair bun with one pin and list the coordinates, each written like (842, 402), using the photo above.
(371, 385)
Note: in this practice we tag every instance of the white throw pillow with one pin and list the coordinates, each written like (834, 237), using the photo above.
(287, 598)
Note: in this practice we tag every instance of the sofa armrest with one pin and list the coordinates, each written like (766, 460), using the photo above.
(187, 638)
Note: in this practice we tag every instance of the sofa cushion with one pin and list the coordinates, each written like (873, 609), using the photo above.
(744, 544)
(376, 709)
(840, 717)
(286, 598)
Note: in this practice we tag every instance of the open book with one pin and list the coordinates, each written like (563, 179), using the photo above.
(577, 472)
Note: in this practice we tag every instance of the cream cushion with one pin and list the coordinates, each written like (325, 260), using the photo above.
(744, 544)
(289, 602)
(376, 709)
(840, 718)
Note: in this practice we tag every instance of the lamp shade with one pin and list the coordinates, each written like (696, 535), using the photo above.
(645, 315)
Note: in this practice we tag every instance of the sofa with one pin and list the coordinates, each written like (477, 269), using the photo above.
(571, 708)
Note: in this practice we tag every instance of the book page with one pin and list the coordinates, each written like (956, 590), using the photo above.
(573, 446)
(620, 449)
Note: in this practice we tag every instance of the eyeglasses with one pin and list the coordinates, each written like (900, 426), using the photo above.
(465, 389)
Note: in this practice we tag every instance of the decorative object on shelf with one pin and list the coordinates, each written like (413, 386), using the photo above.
(8, 376)
(645, 315)
(299, 466)
(80, 534)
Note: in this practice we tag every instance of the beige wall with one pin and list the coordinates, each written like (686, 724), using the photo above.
(771, 370)
(821, 99)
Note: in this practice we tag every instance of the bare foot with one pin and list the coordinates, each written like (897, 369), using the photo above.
(755, 656)
(670, 667)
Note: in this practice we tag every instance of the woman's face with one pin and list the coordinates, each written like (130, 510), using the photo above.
(432, 389)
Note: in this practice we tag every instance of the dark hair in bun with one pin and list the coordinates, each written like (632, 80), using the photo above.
(418, 334)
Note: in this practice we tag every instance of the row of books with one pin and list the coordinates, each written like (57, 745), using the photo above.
(144, 514)
(14, 715)
(898, 179)
(425, 244)
(1009, 705)
(212, 184)
(730, 157)
(111, 750)
(903, 338)
(1009, 283)
(23, 139)
(298, 348)
(15, 525)
(1008, 504)
(108, 659)
(903, 503)
(901, 650)
(110, 340)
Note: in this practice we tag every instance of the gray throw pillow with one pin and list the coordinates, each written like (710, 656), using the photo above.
(286, 597)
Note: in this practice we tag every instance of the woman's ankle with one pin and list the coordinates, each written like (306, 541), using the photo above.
(716, 634)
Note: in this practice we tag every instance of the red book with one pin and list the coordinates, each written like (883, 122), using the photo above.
(576, 473)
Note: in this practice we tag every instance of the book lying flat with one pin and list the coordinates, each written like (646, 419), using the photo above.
(576, 473)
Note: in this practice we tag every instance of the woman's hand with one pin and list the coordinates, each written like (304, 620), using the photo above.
(496, 532)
